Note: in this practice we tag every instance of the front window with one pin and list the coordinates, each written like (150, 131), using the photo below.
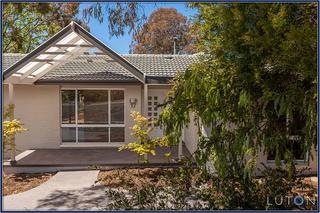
(117, 107)
(93, 106)
(68, 107)
(92, 116)
(294, 126)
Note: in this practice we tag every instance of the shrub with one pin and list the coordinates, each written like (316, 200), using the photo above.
(187, 188)
(145, 144)
(11, 127)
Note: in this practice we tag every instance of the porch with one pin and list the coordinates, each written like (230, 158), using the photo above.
(49, 160)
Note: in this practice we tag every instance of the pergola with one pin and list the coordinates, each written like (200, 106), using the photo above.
(64, 46)
(69, 43)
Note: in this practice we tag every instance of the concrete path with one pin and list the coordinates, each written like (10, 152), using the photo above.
(68, 190)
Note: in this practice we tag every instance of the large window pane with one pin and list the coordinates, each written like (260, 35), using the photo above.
(117, 134)
(93, 134)
(117, 107)
(68, 106)
(92, 106)
(68, 134)
(297, 124)
(297, 148)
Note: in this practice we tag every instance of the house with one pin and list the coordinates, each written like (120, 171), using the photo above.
(75, 96)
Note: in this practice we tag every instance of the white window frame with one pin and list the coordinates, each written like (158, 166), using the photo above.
(292, 138)
(76, 125)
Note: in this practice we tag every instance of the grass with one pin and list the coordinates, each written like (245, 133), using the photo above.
(17, 183)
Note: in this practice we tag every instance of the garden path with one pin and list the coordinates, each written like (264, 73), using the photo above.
(67, 190)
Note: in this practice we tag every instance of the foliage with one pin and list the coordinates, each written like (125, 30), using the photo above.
(259, 66)
(170, 190)
(122, 17)
(277, 182)
(27, 25)
(146, 198)
(130, 17)
(145, 144)
(189, 188)
(163, 27)
(11, 127)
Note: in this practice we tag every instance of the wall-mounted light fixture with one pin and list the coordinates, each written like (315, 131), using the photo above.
(133, 102)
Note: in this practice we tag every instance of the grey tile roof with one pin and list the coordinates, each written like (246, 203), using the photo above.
(89, 69)
(10, 58)
(161, 65)
(101, 68)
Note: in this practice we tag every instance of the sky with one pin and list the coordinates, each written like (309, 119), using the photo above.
(121, 44)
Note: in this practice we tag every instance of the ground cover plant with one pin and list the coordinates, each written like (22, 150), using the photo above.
(189, 188)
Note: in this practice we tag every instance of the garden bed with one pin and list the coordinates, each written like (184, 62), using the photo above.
(188, 189)
(16, 183)
(125, 178)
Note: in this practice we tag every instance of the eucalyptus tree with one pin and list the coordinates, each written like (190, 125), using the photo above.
(26, 25)
(255, 85)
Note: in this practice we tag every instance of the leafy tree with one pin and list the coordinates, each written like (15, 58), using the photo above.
(27, 25)
(164, 27)
(145, 145)
(131, 18)
(122, 17)
(260, 66)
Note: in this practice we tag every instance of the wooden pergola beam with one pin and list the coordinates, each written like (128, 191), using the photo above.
(63, 61)
(48, 60)
(30, 71)
(36, 52)
(73, 45)
(56, 53)
(70, 53)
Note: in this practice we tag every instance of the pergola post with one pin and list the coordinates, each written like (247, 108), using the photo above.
(145, 100)
(145, 105)
(180, 153)
(11, 104)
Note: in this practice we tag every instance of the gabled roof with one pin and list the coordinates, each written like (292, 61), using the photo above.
(100, 68)
(89, 68)
(63, 47)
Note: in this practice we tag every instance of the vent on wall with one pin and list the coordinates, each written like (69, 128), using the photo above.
(153, 113)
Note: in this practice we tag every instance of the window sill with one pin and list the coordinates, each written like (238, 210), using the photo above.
(297, 162)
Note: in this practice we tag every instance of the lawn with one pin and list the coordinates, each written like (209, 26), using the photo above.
(16, 183)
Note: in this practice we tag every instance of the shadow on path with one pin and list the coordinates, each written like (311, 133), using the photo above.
(92, 198)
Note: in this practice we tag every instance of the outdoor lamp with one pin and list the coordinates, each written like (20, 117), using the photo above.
(133, 102)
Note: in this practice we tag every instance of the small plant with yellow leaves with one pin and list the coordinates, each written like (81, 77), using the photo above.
(145, 144)
(11, 127)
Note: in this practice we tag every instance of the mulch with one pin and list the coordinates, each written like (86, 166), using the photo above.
(16, 183)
